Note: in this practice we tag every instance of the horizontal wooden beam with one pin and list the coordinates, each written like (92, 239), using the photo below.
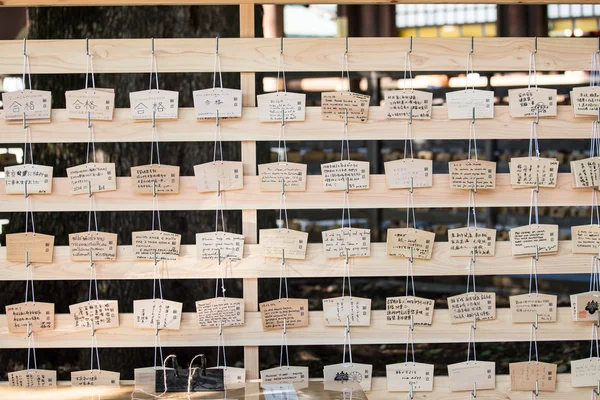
(250, 197)
(188, 129)
(253, 265)
(306, 54)
(251, 334)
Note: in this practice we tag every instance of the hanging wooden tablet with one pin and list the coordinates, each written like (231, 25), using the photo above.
(531, 102)
(407, 310)
(463, 375)
(533, 308)
(298, 376)
(335, 104)
(226, 311)
(36, 105)
(463, 241)
(585, 100)
(584, 372)
(146, 245)
(338, 311)
(165, 178)
(293, 311)
(92, 177)
(227, 101)
(524, 375)
(401, 174)
(37, 178)
(196, 379)
(530, 172)
(101, 245)
(103, 313)
(163, 103)
(230, 174)
(226, 245)
(33, 315)
(585, 239)
(336, 376)
(526, 239)
(150, 313)
(464, 173)
(232, 377)
(145, 378)
(95, 378)
(98, 103)
(38, 247)
(401, 240)
(271, 105)
(345, 174)
(585, 306)
(584, 173)
(410, 376)
(347, 242)
(292, 242)
(33, 378)
(464, 307)
(273, 176)
(460, 104)
(398, 104)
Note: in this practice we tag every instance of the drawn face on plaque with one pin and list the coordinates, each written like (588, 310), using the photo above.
(32, 378)
(101, 245)
(401, 376)
(464, 240)
(335, 104)
(35, 104)
(38, 179)
(525, 239)
(153, 313)
(585, 239)
(406, 309)
(162, 178)
(524, 375)
(338, 311)
(273, 241)
(400, 174)
(463, 375)
(529, 172)
(228, 175)
(345, 174)
(531, 308)
(338, 376)
(36, 247)
(465, 174)
(227, 101)
(298, 376)
(460, 104)
(92, 177)
(272, 105)
(351, 242)
(98, 103)
(277, 175)
(95, 378)
(464, 307)
(585, 372)
(164, 103)
(212, 245)
(39, 316)
(401, 240)
(148, 244)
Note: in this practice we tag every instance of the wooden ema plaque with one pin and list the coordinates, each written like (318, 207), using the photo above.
(228, 175)
(224, 311)
(585, 306)
(464, 174)
(162, 103)
(103, 313)
(36, 105)
(92, 177)
(101, 245)
(401, 240)
(404, 377)
(585, 372)
(338, 311)
(99, 104)
(298, 376)
(157, 313)
(228, 102)
(524, 375)
(585, 239)
(585, 100)
(460, 104)
(272, 105)
(467, 306)
(345, 174)
(532, 102)
(351, 242)
(278, 175)
(37, 178)
(399, 103)
(527, 172)
(532, 308)
(293, 311)
(584, 173)
(232, 377)
(37, 316)
(463, 375)
(336, 106)
(337, 376)
(33, 378)
(38, 247)
(148, 244)
(404, 310)
(463, 241)
(95, 378)
(401, 174)
(273, 242)
(212, 245)
(162, 178)
(530, 240)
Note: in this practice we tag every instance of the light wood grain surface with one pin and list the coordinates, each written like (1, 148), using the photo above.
(301, 54)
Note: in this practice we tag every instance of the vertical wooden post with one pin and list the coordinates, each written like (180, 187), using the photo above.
(249, 228)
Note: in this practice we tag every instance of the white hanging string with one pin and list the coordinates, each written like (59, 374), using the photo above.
(471, 340)
(532, 340)
(26, 68)
(283, 278)
(92, 209)
(345, 137)
(533, 205)
(89, 64)
(91, 139)
(594, 74)
(164, 369)
(594, 394)
(284, 340)
(281, 69)
(221, 346)
(192, 370)
(153, 68)
(217, 138)
(28, 279)
(157, 346)
(408, 139)
(594, 339)
(473, 137)
(532, 65)
(156, 210)
(27, 142)
(346, 276)
(471, 208)
(153, 141)
(595, 274)
(93, 281)
(155, 277)
(283, 209)
(469, 68)
(217, 64)
(533, 275)
(408, 66)
(410, 209)
(345, 71)
(348, 342)
(94, 345)
(282, 155)
(533, 140)
(471, 271)
(409, 272)
(28, 214)
(30, 348)
(595, 206)
(220, 277)
(219, 211)
(410, 339)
